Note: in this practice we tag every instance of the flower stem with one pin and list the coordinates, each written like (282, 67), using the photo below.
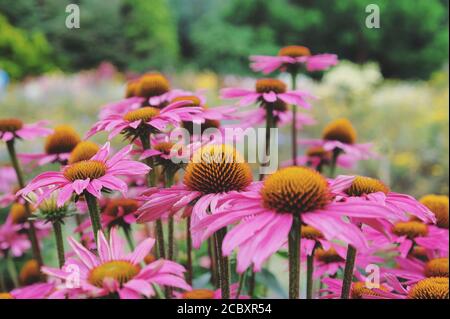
(32, 230)
(309, 274)
(189, 251)
(333, 163)
(170, 227)
(59, 243)
(224, 266)
(213, 260)
(241, 284)
(270, 123)
(294, 121)
(348, 272)
(294, 258)
(94, 213)
(127, 232)
(252, 283)
(12, 270)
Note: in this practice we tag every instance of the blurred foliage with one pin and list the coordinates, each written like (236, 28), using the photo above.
(132, 34)
(411, 42)
(23, 53)
(138, 35)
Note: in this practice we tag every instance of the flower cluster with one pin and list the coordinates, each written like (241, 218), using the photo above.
(149, 217)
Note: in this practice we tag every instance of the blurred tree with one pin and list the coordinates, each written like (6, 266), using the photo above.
(131, 34)
(23, 53)
(412, 40)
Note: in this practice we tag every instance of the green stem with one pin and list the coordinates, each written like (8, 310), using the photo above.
(168, 182)
(59, 243)
(224, 268)
(94, 213)
(241, 284)
(189, 251)
(127, 232)
(294, 258)
(32, 230)
(309, 274)
(270, 122)
(252, 284)
(294, 122)
(151, 177)
(160, 238)
(212, 257)
(12, 270)
(333, 163)
(348, 272)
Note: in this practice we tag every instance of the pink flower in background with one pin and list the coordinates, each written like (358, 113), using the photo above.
(150, 118)
(11, 128)
(265, 215)
(339, 137)
(34, 291)
(92, 176)
(58, 147)
(406, 235)
(360, 188)
(292, 57)
(412, 270)
(317, 158)
(268, 91)
(115, 272)
(7, 178)
(121, 107)
(358, 290)
(12, 239)
(208, 294)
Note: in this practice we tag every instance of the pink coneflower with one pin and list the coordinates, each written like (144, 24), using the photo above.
(35, 291)
(268, 91)
(266, 214)
(407, 235)
(317, 157)
(115, 272)
(340, 137)
(146, 119)
(91, 176)
(58, 147)
(428, 288)
(209, 294)
(291, 58)
(412, 270)
(214, 171)
(12, 240)
(329, 261)
(358, 290)
(361, 188)
(119, 212)
(121, 107)
(12, 128)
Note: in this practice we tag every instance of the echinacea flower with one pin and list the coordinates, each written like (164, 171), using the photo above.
(438, 204)
(362, 188)
(30, 273)
(266, 212)
(291, 58)
(428, 288)
(208, 293)
(359, 289)
(7, 178)
(412, 270)
(35, 291)
(409, 234)
(84, 151)
(329, 261)
(214, 171)
(268, 91)
(119, 212)
(11, 128)
(115, 272)
(340, 137)
(12, 240)
(58, 147)
(145, 120)
(91, 175)
(317, 157)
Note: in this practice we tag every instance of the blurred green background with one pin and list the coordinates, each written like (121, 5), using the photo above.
(392, 83)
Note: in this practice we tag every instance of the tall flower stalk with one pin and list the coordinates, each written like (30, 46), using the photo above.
(294, 121)
(348, 272)
(32, 230)
(294, 257)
